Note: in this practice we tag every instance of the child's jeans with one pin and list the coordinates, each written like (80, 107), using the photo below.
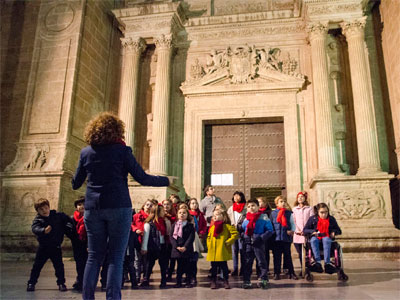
(326, 244)
(257, 253)
(222, 265)
(280, 248)
(42, 255)
(236, 252)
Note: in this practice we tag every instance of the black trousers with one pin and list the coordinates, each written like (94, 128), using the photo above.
(183, 268)
(279, 249)
(42, 255)
(150, 261)
(80, 256)
(219, 265)
(298, 249)
(257, 253)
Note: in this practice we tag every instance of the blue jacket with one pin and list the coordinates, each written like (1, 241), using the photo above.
(311, 226)
(281, 232)
(262, 232)
(106, 168)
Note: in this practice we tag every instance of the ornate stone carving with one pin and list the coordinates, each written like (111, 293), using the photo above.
(328, 9)
(133, 45)
(165, 41)
(356, 204)
(317, 29)
(355, 27)
(59, 17)
(38, 158)
(243, 65)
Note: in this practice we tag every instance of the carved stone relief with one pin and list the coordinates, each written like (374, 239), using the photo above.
(38, 158)
(243, 65)
(59, 17)
(356, 204)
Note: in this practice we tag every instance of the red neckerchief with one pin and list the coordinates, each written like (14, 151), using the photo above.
(252, 218)
(281, 217)
(161, 227)
(262, 210)
(218, 227)
(170, 217)
(195, 213)
(120, 141)
(323, 227)
(142, 215)
(238, 207)
(80, 226)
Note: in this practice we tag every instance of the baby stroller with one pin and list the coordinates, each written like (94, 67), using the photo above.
(336, 259)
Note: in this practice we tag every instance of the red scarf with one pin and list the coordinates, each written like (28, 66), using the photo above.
(195, 213)
(238, 207)
(262, 210)
(161, 227)
(252, 218)
(80, 226)
(323, 227)
(218, 227)
(120, 141)
(281, 217)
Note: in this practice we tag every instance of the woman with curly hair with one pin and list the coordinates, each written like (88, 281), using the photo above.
(106, 163)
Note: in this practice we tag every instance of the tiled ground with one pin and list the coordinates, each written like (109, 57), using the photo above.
(367, 280)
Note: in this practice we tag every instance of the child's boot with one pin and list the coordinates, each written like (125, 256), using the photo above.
(213, 284)
(30, 287)
(226, 284)
(62, 287)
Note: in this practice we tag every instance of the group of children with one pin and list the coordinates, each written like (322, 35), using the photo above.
(171, 232)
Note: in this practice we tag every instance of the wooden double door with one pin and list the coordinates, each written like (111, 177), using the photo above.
(245, 157)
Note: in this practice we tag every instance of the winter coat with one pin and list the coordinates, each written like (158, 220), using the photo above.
(231, 215)
(280, 231)
(60, 224)
(201, 222)
(138, 223)
(263, 230)
(311, 226)
(207, 206)
(220, 247)
(186, 241)
(301, 216)
(106, 168)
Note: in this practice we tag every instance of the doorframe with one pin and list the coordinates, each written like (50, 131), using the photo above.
(246, 105)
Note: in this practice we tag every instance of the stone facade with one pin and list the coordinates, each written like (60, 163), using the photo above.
(169, 67)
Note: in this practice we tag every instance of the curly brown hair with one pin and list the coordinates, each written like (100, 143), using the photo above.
(105, 128)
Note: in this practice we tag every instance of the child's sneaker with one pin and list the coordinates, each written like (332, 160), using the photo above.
(317, 267)
(62, 287)
(330, 268)
(247, 285)
(30, 287)
(262, 283)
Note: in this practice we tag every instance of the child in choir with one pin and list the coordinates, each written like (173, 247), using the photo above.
(138, 227)
(236, 212)
(255, 231)
(79, 242)
(49, 227)
(154, 245)
(265, 210)
(301, 213)
(322, 227)
(220, 239)
(282, 219)
(170, 214)
(182, 238)
(201, 231)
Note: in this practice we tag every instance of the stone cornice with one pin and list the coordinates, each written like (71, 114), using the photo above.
(333, 10)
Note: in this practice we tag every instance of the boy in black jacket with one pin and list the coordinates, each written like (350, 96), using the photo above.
(49, 227)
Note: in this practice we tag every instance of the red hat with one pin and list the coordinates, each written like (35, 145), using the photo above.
(304, 193)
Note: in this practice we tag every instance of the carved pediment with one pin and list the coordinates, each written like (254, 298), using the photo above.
(244, 65)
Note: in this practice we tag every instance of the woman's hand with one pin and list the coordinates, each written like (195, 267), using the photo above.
(332, 235)
(138, 231)
(47, 229)
(172, 179)
(290, 232)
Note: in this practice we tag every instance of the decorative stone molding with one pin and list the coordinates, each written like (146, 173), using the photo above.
(354, 28)
(317, 30)
(242, 65)
(356, 204)
(130, 44)
(317, 10)
(164, 41)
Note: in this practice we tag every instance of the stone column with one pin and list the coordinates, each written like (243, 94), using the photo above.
(159, 148)
(327, 160)
(129, 90)
(367, 142)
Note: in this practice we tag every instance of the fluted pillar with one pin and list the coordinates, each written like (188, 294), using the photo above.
(129, 89)
(159, 148)
(327, 159)
(367, 142)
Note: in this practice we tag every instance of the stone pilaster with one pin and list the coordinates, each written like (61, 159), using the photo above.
(158, 156)
(327, 160)
(129, 86)
(368, 154)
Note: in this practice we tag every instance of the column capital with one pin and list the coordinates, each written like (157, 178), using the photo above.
(317, 30)
(130, 44)
(354, 27)
(164, 41)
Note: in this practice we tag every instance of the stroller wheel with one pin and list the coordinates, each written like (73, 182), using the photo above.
(309, 277)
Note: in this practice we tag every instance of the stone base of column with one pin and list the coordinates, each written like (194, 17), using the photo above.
(139, 194)
(330, 173)
(363, 209)
(368, 172)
